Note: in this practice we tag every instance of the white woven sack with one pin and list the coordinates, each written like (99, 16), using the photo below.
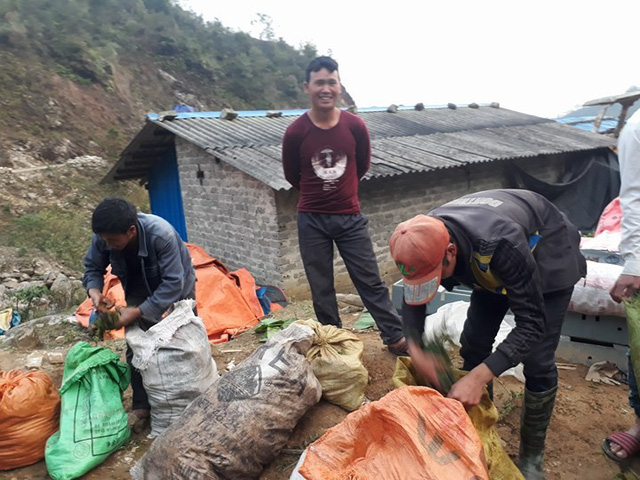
(174, 358)
(591, 294)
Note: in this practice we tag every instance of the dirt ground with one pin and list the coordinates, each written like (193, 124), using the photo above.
(585, 412)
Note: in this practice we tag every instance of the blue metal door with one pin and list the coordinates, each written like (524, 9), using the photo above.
(165, 195)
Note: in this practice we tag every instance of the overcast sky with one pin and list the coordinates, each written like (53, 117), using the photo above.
(542, 57)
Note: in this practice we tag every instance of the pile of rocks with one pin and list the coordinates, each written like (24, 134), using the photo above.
(17, 273)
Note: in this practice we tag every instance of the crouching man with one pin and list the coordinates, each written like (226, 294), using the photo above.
(516, 251)
(153, 265)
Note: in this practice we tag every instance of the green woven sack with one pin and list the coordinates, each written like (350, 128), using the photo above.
(93, 423)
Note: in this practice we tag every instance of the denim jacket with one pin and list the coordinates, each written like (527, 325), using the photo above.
(167, 269)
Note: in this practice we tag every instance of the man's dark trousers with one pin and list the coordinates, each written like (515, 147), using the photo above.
(317, 233)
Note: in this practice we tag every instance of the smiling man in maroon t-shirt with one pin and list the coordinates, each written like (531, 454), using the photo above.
(325, 153)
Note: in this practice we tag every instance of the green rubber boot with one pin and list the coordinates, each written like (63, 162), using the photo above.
(536, 414)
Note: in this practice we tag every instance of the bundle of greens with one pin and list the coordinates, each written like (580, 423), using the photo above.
(270, 326)
(105, 321)
(436, 347)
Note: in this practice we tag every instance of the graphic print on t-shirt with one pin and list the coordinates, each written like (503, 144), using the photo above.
(329, 166)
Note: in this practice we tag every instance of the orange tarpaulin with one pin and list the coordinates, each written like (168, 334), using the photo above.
(226, 301)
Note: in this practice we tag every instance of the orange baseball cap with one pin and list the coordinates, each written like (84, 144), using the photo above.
(418, 248)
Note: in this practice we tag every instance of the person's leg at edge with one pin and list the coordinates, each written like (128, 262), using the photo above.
(140, 400)
(634, 402)
(316, 250)
(140, 408)
(356, 249)
(541, 376)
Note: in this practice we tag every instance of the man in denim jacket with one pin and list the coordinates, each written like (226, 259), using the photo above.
(153, 265)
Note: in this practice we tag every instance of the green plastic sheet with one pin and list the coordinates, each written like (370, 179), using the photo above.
(364, 322)
(93, 423)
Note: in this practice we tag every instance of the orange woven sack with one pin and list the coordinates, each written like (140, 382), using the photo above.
(29, 415)
(412, 432)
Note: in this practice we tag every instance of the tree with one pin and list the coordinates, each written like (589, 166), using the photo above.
(266, 22)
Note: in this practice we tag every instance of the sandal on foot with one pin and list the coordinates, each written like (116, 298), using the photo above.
(627, 442)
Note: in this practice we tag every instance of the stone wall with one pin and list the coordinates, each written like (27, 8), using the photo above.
(231, 215)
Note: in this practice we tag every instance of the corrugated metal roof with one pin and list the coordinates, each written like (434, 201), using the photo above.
(403, 142)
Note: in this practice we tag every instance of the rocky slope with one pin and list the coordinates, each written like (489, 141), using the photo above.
(77, 79)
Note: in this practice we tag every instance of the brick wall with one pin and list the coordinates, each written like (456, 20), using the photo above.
(389, 201)
(231, 215)
(245, 223)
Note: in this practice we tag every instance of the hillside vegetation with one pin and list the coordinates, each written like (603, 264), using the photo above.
(77, 78)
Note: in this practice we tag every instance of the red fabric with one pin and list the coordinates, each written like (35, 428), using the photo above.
(325, 166)
(227, 301)
(610, 218)
(29, 414)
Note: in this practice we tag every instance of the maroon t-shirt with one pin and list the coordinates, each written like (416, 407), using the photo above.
(325, 166)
